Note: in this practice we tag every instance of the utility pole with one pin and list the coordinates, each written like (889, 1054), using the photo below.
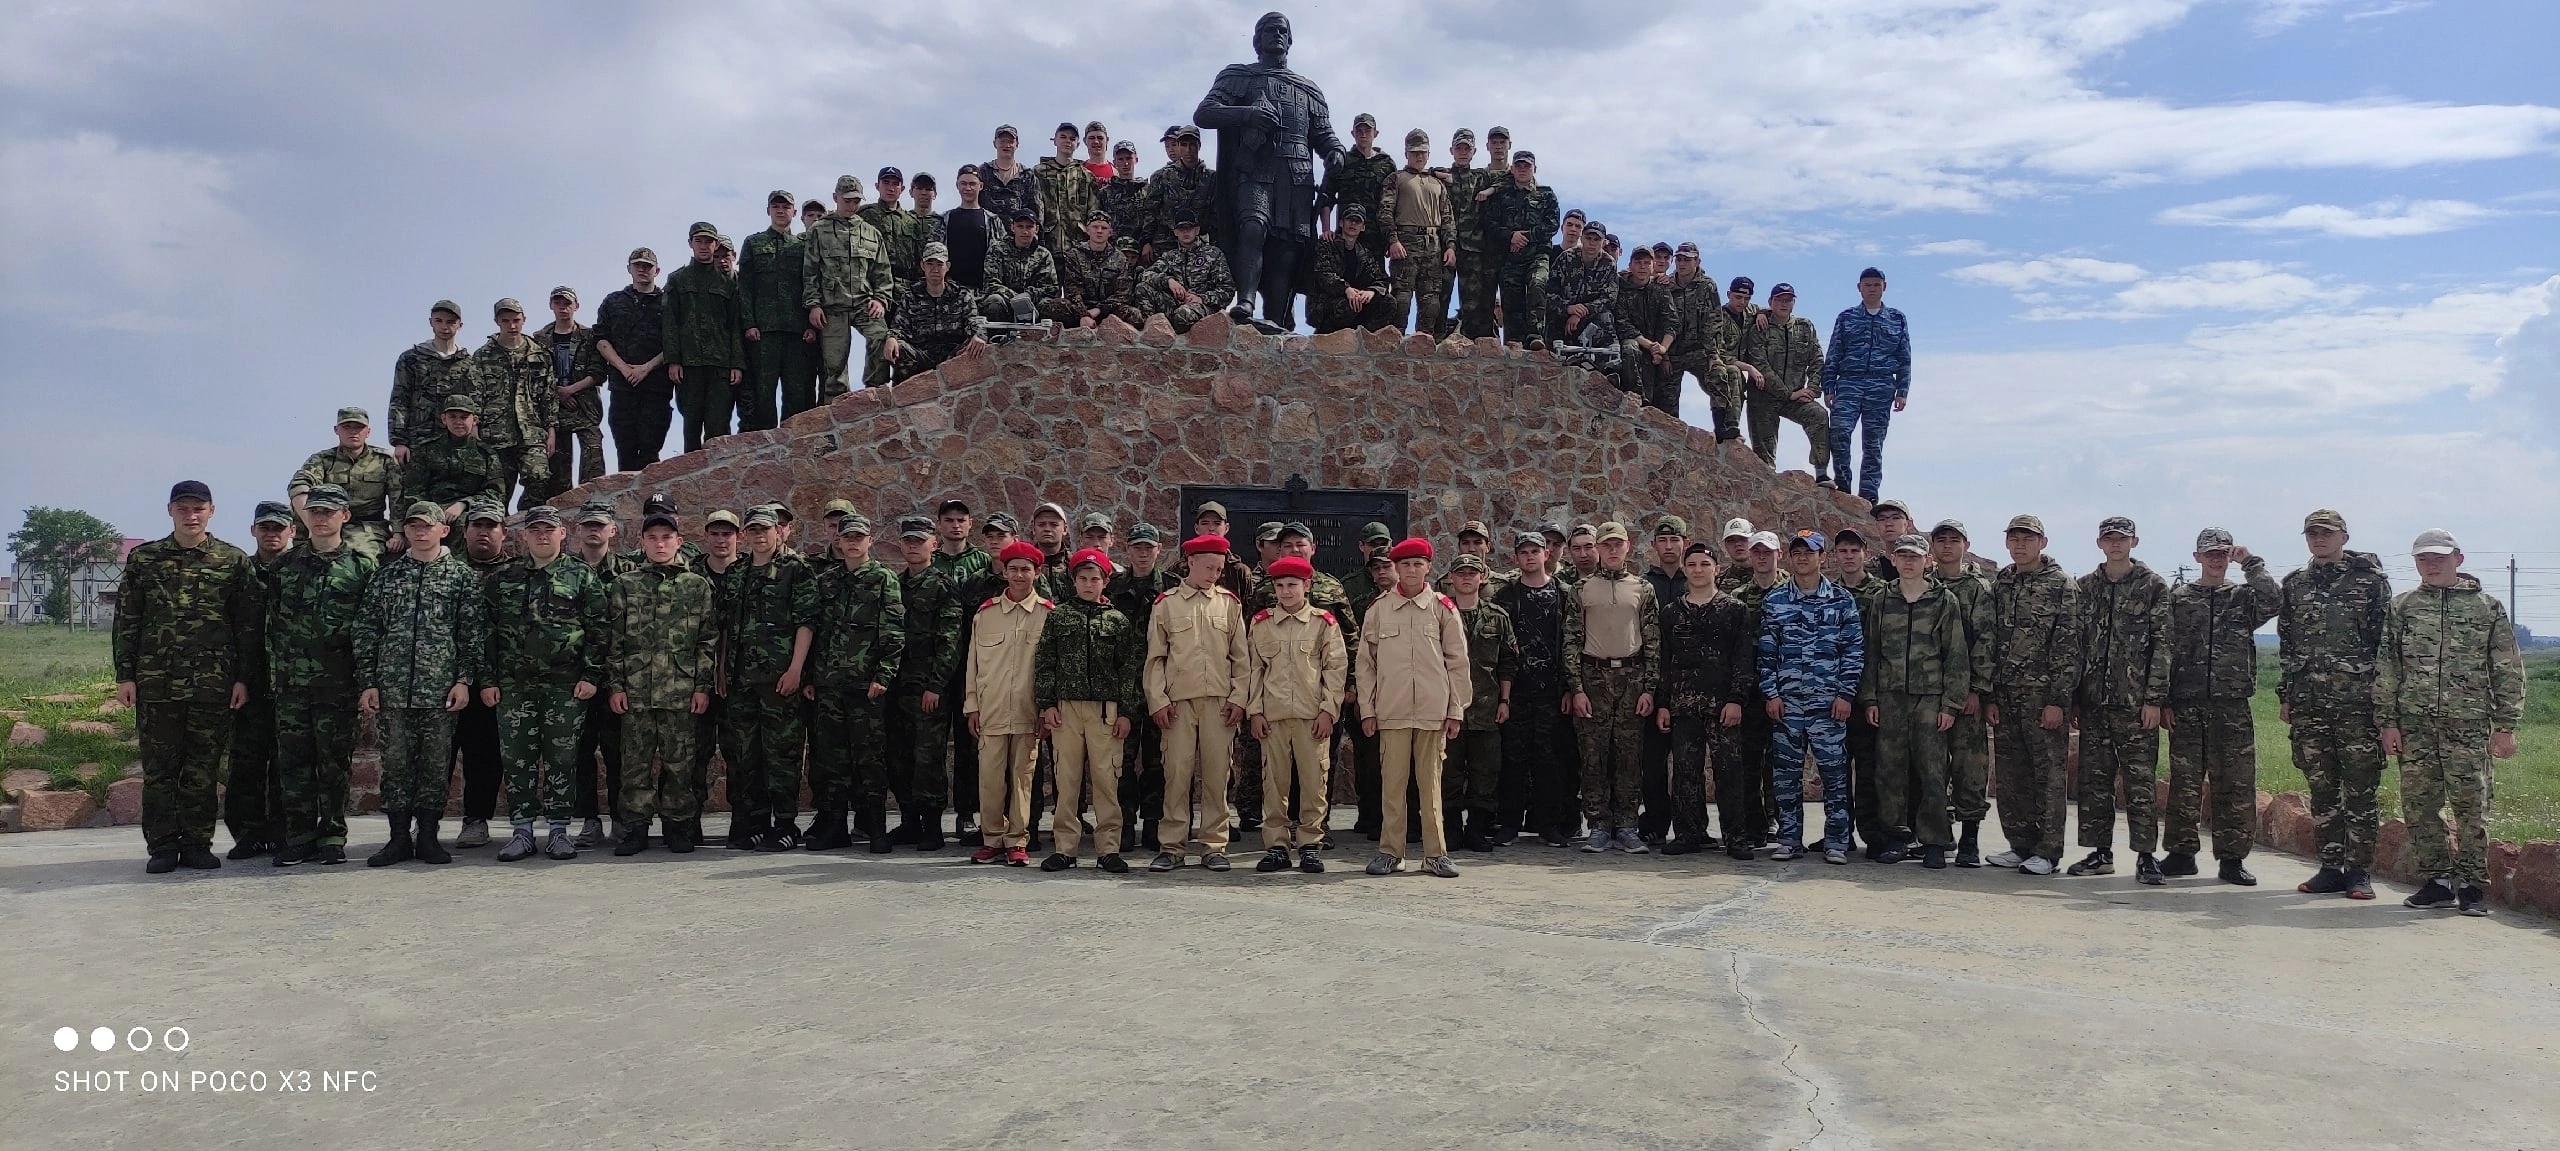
(2511, 587)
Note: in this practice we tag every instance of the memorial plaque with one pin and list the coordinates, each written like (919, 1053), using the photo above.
(1335, 513)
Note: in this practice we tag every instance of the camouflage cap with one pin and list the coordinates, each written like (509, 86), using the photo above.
(1671, 526)
(1737, 527)
(1581, 530)
(1097, 214)
(1686, 248)
(1465, 136)
(1008, 130)
(272, 512)
(1375, 532)
(543, 515)
(915, 527)
(354, 415)
(1497, 132)
(1065, 128)
(328, 496)
(1189, 132)
(723, 517)
(1467, 562)
(849, 184)
(476, 511)
(700, 229)
(1023, 215)
(1212, 508)
(762, 516)
(2434, 542)
(1364, 120)
(1949, 527)
(1911, 543)
(1416, 138)
(2324, 518)
(1124, 146)
(1268, 532)
(427, 510)
(813, 206)
(1299, 529)
(1001, 522)
(1096, 126)
(1145, 533)
(1477, 529)
(1351, 212)
(447, 307)
(1612, 530)
(1892, 507)
(505, 305)
(935, 252)
(856, 524)
(2026, 523)
(2213, 539)
(779, 196)
(641, 256)
(1526, 540)
(1552, 530)
(564, 292)
(2116, 526)
(596, 512)
(1595, 229)
(458, 402)
(1095, 522)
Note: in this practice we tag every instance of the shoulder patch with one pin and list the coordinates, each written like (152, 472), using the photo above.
(1262, 615)
(1221, 590)
(1328, 617)
(1160, 596)
(991, 602)
(1047, 602)
(1446, 602)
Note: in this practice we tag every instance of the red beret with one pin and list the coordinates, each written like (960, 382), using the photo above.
(1415, 548)
(1021, 550)
(1204, 545)
(1090, 556)
(1292, 566)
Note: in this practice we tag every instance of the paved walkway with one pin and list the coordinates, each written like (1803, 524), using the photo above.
(1544, 999)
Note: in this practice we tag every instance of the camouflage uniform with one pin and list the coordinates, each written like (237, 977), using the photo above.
(760, 729)
(1789, 357)
(1706, 349)
(1067, 195)
(420, 380)
(917, 740)
(547, 633)
(1176, 188)
(1429, 233)
(2124, 652)
(1969, 741)
(1142, 757)
(2327, 634)
(706, 322)
(1868, 818)
(186, 623)
(1812, 650)
(1919, 665)
(1086, 667)
(1361, 180)
(1707, 664)
(313, 602)
(861, 621)
(1017, 272)
(577, 454)
(1539, 789)
(1340, 266)
(1591, 282)
(1523, 274)
(517, 411)
(372, 483)
(1757, 729)
(1004, 195)
(931, 328)
(1124, 199)
(902, 237)
(1202, 268)
(1614, 677)
(2213, 744)
(2035, 664)
(600, 737)
(1104, 279)
(451, 470)
(417, 636)
(782, 361)
(252, 793)
(2448, 676)
(662, 654)
(1471, 775)
(1644, 310)
(844, 268)
(973, 577)
(1478, 269)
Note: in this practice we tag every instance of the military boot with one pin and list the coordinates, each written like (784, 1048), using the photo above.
(929, 829)
(827, 832)
(875, 831)
(1969, 845)
(396, 851)
(430, 851)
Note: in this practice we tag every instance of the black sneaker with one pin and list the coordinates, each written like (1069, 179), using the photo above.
(247, 849)
(2095, 863)
(162, 863)
(1276, 859)
(2326, 881)
(2147, 869)
(2359, 884)
(1309, 862)
(1057, 861)
(2435, 896)
(2234, 872)
(635, 839)
(1113, 863)
(289, 855)
(1164, 861)
(329, 854)
(2472, 901)
(1739, 849)
(1888, 855)
(1933, 858)
(1679, 845)
(2179, 863)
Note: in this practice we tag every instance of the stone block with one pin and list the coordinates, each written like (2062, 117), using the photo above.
(55, 810)
(1158, 333)
(86, 727)
(2536, 883)
(1114, 330)
(1343, 342)
(1211, 332)
(974, 363)
(124, 802)
(24, 734)
(1419, 344)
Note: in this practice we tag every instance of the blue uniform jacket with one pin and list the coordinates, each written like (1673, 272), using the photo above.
(1813, 645)
(1869, 349)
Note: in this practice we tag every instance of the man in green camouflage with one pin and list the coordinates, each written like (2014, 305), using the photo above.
(845, 283)
(186, 621)
(1134, 590)
(2035, 657)
(918, 724)
(475, 729)
(1187, 281)
(577, 394)
(902, 239)
(1969, 741)
(1361, 178)
(2327, 634)
(661, 664)
(518, 407)
(1351, 288)
(705, 356)
(935, 318)
(1096, 278)
(1021, 274)
(424, 375)
(1918, 677)
(1085, 685)
(418, 647)
(2124, 683)
(1704, 346)
(1422, 239)
(772, 621)
(1123, 198)
(370, 477)
(600, 736)
(2448, 691)
(252, 806)
(544, 616)
(1183, 185)
(719, 559)
(781, 347)
(1520, 221)
(1646, 334)
(861, 638)
(2213, 670)
(1784, 362)
(1067, 191)
(1475, 272)
(454, 468)
(1472, 775)
(313, 598)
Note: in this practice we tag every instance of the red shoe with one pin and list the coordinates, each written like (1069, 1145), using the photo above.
(1017, 857)
(987, 854)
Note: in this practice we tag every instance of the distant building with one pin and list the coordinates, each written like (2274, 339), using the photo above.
(93, 586)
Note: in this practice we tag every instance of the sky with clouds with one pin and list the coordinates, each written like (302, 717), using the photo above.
(2196, 261)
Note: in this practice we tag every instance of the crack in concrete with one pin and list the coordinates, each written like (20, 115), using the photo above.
(1830, 1131)
(1705, 915)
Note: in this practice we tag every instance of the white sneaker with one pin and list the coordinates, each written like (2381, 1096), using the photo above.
(1599, 841)
(2037, 865)
(1631, 841)
(2004, 859)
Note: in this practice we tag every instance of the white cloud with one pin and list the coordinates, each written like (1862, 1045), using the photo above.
(1949, 248)
(109, 235)
(2229, 285)
(2020, 275)
(2385, 218)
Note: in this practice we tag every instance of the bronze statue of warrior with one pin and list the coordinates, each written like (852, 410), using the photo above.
(1272, 124)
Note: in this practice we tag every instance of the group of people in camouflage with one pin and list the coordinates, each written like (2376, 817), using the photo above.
(1564, 694)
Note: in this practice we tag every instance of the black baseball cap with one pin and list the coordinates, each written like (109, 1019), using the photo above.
(190, 490)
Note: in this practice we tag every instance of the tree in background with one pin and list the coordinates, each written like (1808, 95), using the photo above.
(57, 543)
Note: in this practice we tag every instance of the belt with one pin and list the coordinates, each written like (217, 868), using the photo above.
(1599, 661)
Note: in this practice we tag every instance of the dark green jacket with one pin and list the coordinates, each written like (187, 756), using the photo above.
(2328, 632)
(1917, 647)
(934, 616)
(312, 604)
(704, 318)
(450, 469)
(1493, 659)
(2213, 646)
(420, 631)
(861, 627)
(186, 621)
(769, 285)
(769, 605)
(1089, 651)
(665, 643)
(2124, 638)
(546, 625)
(2035, 634)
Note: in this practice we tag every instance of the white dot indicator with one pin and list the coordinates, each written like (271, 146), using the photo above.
(103, 1039)
(66, 1039)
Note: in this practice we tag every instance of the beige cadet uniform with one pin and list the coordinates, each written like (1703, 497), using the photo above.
(1002, 641)
(1299, 665)
(1414, 677)
(1197, 663)
(1415, 206)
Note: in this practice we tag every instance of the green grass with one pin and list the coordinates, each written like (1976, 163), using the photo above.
(2526, 805)
(40, 661)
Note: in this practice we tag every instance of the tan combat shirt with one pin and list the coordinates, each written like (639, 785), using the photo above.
(1299, 664)
(1196, 648)
(1419, 200)
(1001, 645)
(1413, 661)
